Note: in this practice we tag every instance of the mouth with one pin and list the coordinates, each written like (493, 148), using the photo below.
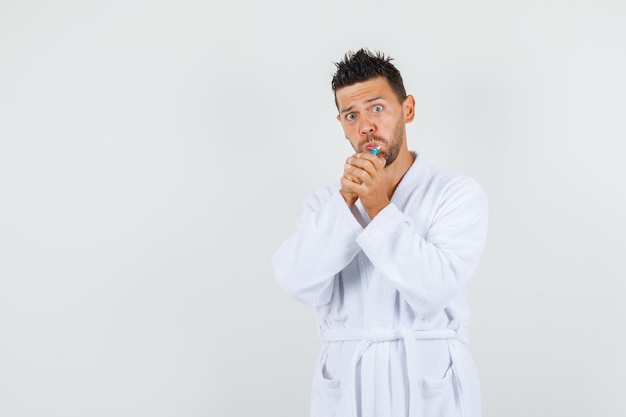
(372, 148)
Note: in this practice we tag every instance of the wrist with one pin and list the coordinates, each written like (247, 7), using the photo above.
(372, 211)
(349, 198)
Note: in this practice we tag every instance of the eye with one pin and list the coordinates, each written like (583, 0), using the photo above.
(377, 108)
(350, 116)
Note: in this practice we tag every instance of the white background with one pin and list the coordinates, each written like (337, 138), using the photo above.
(154, 154)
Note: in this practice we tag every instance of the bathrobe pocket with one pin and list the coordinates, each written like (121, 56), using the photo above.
(328, 391)
(438, 397)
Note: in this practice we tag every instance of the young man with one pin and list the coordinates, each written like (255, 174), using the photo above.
(384, 258)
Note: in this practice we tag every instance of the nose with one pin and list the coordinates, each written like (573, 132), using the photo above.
(367, 127)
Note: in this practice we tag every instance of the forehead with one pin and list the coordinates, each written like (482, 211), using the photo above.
(363, 91)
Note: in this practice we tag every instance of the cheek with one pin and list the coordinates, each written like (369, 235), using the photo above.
(389, 120)
(348, 130)
(347, 126)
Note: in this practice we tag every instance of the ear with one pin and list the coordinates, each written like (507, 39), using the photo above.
(339, 118)
(408, 107)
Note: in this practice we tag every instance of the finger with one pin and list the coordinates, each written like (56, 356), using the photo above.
(372, 167)
(356, 173)
(348, 172)
(352, 178)
(377, 161)
(349, 186)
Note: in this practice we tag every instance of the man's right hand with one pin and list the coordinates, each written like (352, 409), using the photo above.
(364, 179)
(349, 197)
(347, 180)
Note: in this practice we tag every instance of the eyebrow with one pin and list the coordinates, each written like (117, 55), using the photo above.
(349, 109)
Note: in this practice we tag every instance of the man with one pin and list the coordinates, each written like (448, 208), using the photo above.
(384, 257)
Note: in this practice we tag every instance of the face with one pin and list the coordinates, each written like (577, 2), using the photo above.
(371, 114)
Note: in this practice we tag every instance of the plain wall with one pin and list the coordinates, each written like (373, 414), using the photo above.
(154, 154)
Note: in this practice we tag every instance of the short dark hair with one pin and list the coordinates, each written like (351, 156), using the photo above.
(364, 65)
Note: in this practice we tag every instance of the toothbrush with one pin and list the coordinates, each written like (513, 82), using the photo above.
(375, 150)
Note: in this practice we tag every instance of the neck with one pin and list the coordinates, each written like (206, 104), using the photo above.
(395, 172)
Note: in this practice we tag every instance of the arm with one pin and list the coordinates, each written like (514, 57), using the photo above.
(430, 270)
(324, 243)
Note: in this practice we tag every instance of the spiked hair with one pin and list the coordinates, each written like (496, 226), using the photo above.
(364, 65)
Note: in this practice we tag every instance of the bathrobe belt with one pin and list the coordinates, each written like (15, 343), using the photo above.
(368, 337)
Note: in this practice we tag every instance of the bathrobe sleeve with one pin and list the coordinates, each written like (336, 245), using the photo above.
(429, 269)
(324, 243)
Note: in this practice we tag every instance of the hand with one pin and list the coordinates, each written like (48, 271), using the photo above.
(350, 196)
(364, 178)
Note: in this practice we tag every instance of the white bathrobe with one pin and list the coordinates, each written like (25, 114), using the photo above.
(389, 295)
